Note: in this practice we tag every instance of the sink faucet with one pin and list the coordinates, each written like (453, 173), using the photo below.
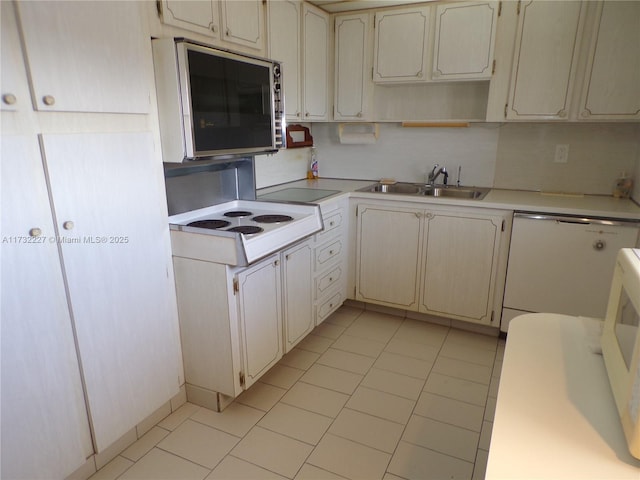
(437, 170)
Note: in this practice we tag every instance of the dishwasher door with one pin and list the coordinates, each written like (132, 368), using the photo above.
(563, 264)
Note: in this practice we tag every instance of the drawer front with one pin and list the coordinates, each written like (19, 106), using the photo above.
(328, 307)
(327, 253)
(326, 281)
(332, 224)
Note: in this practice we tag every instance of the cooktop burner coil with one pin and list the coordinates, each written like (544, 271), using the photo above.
(238, 213)
(211, 224)
(245, 229)
(272, 218)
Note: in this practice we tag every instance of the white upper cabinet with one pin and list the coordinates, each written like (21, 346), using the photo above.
(285, 35)
(242, 23)
(464, 40)
(86, 56)
(401, 45)
(544, 64)
(195, 15)
(316, 67)
(611, 89)
(352, 67)
(234, 21)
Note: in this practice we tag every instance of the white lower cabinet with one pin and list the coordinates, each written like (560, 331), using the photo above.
(297, 266)
(236, 323)
(440, 261)
(330, 270)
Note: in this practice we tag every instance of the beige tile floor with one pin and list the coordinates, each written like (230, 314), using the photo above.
(367, 395)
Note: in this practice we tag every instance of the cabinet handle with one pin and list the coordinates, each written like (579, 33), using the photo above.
(213, 28)
(35, 232)
(276, 263)
(48, 100)
(359, 114)
(68, 225)
(297, 114)
(9, 98)
(331, 224)
(228, 33)
(599, 245)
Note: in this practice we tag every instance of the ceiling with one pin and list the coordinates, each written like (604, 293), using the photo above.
(337, 6)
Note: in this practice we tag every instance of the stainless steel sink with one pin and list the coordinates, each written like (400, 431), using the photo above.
(402, 188)
(474, 193)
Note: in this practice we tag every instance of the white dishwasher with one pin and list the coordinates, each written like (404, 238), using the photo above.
(563, 264)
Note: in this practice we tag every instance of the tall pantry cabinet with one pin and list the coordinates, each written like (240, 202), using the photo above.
(90, 343)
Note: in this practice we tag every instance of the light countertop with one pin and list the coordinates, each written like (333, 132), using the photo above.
(555, 415)
(569, 204)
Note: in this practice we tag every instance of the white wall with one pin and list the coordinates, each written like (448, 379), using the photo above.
(511, 155)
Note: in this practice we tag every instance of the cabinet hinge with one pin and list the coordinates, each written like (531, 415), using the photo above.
(519, 2)
(505, 109)
(493, 69)
(503, 225)
(236, 286)
(241, 378)
(499, 8)
(159, 7)
(492, 314)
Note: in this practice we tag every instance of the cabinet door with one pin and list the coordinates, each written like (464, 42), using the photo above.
(106, 62)
(387, 256)
(298, 294)
(200, 16)
(401, 45)
(13, 80)
(547, 43)
(352, 63)
(260, 306)
(284, 45)
(242, 23)
(612, 81)
(316, 63)
(460, 265)
(464, 40)
(45, 429)
(108, 196)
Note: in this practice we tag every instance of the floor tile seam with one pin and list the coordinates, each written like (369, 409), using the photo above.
(189, 460)
(445, 355)
(224, 431)
(121, 454)
(252, 463)
(488, 385)
(306, 409)
(394, 371)
(369, 414)
(269, 429)
(442, 453)
(454, 341)
(455, 399)
(452, 424)
(358, 443)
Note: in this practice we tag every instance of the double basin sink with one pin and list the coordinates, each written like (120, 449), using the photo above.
(474, 193)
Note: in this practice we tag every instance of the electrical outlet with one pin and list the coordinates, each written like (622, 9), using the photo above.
(562, 153)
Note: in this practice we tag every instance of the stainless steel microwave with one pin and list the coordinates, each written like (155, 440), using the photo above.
(214, 102)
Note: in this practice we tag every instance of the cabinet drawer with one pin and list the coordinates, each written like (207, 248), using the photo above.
(332, 224)
(328, 307)
(327, 253)
(326, 281)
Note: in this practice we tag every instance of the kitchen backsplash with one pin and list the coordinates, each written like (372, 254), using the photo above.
(512, 155)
